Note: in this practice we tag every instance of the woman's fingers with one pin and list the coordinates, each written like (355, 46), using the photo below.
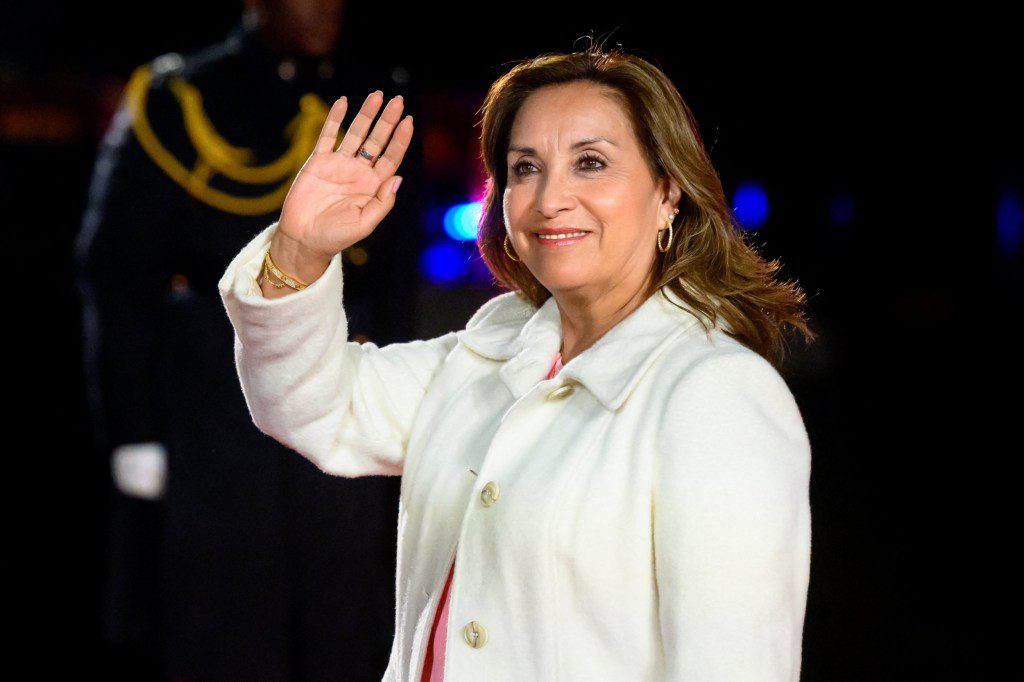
(388, 140)
(329, 133)
(388, 162)
(360, 126)
(383, 128)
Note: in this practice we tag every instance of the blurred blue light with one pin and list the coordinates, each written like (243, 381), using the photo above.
(750, 205)
(444, 262)
(1009, 223)
(842, 210)
(461, 220)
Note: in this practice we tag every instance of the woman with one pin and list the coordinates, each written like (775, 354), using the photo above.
(641, 514)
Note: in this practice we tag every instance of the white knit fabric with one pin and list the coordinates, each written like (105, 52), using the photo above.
(652, 521)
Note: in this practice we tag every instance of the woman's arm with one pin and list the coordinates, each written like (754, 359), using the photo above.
(731, 519)
(346, 406)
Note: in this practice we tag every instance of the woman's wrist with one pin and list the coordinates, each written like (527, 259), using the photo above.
(294, 259)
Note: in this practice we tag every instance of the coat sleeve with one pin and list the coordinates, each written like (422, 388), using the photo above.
(124, 260)
(731, 524)
(346, 406)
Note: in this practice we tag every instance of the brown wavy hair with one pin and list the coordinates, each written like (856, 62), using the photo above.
(710, 264)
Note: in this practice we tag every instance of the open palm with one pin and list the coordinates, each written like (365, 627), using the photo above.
(339, 197)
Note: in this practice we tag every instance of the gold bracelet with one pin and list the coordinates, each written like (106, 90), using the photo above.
(264, 276)
(290, 281)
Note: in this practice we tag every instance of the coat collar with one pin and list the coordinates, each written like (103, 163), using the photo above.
(610, 369)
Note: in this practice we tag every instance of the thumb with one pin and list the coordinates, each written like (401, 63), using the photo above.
(381, 203)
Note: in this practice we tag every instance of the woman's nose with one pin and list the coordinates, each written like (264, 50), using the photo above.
(554, 194)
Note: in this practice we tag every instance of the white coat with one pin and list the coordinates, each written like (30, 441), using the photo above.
(644, 515)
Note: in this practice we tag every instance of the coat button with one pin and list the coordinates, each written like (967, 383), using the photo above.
(561, 392)
(489, 494)
(475, 634)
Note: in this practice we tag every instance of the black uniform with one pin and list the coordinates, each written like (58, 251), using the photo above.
(254, 565)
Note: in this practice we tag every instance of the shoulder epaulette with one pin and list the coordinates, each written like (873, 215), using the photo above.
(215, 157)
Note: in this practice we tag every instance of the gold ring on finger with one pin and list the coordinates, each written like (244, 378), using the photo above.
(367, 155)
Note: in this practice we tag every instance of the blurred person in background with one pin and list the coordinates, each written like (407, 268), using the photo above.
(228, 557)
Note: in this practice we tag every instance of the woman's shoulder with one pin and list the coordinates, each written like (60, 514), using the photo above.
(714, 355)
(713, 368)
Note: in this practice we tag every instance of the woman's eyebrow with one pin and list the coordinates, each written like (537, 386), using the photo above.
(575, 145)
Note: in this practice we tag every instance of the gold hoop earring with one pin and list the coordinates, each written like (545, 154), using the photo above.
(668, 226)
(509, 253)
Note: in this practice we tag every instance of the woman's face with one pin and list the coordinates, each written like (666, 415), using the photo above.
(575, 165)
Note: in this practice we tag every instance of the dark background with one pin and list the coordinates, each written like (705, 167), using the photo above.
(904, 394)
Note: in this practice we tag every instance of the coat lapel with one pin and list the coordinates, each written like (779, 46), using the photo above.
(609, 369)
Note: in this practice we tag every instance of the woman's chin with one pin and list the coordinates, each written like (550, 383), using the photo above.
(562, 281)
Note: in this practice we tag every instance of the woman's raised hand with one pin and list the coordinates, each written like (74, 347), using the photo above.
(339, 197)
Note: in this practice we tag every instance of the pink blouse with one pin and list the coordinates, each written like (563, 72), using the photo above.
(433, 666)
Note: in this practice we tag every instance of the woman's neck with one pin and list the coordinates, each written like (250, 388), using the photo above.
(586, 320)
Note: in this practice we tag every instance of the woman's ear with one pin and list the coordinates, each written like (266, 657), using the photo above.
(673, 193)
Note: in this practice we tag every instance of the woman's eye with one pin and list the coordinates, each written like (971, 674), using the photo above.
(591, 159)
(585, 164)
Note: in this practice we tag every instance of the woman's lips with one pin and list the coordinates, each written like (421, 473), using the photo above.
(565, 241)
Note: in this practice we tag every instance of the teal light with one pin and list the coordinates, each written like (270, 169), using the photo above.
(461, 221)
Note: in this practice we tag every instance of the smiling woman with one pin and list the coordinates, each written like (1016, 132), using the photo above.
(602, 143)
(594, 485)
(581, 208)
